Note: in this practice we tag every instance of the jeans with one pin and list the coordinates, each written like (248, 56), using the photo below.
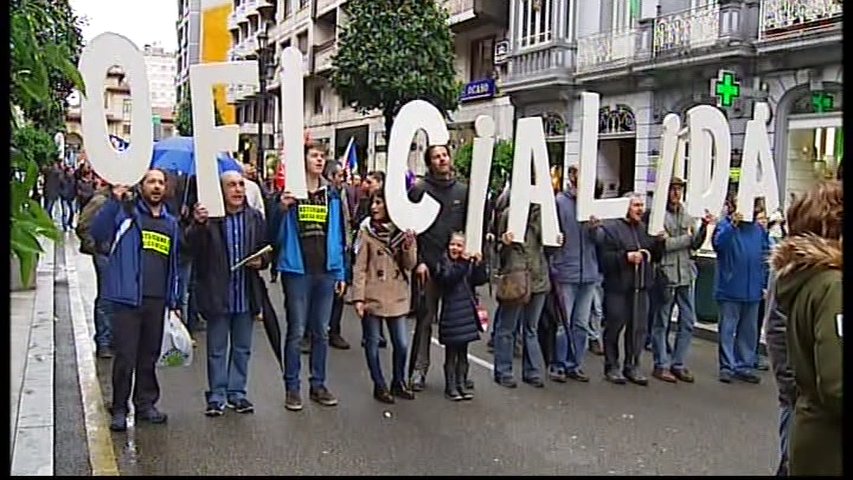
(786, 414)
(228, 371)
(308, 302)
(574, 334)
(532, 355)
(67, 213)
(372, 326)
(49, 203)
(596, 320)
(669, 296)
(103, 308)
(738, 330)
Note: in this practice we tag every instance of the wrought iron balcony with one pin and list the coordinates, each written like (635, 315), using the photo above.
(323, 56)
(607, 50)
(539, 65)
(686, 30)
(786, 18)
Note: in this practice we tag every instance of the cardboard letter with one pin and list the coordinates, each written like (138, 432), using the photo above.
(706, 189)
(481, 167)
(669, 152)
(293, 117)
(415, 115)
(530, 145)
(758, 172)
(587, 205)
(100, 54)
(209, 139)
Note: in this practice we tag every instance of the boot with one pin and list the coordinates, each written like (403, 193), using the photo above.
(461, 379)
(451, 391)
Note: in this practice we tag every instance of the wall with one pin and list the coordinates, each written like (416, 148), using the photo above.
(215, 43)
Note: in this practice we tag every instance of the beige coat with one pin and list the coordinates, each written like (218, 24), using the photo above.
(378, 280)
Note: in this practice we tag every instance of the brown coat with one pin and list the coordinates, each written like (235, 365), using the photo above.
(378, 279)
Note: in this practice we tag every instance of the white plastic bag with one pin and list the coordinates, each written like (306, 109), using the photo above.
(176, 350)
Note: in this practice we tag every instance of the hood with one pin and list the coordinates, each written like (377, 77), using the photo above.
(797, 259)
(442, 183)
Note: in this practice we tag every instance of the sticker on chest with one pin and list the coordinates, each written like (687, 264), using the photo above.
(156, 241)
(313, 213)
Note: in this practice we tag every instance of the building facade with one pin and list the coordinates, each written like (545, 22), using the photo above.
(189, 39)
(161, 67)
(647, 58)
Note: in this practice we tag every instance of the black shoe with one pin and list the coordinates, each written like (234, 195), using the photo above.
(453, 394)
(242, 405)
(469, 384)
(323, 396)
(636, 378)
(595, 347)
(557, 376)
(305, 345)
(578, 376)
(104, 352)
(273, 278)
(466, 395)
(119, 422)
(725, 377)
(214, 409)
(748, 377)
(152, 415)
(615, 378)
(762, 364)
(293, 401)
(337, 341)
(418, 382)
(535, 382)
(507, 382)
(383, 395)
(402, 392)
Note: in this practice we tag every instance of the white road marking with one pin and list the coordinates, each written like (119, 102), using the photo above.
(479, 361)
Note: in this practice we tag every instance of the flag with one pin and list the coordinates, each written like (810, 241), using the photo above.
(351, 158)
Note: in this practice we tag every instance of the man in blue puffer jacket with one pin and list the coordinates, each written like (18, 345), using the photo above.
(742, 250)
(141, 281)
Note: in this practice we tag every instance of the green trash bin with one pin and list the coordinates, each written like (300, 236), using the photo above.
(706, 306)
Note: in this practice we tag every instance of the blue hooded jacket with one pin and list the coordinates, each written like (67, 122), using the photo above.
(116, 226)
(576, 261)
(742, 254)
(290, 259)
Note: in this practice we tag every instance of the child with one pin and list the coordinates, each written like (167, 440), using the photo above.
(458, 274)
(384, 259)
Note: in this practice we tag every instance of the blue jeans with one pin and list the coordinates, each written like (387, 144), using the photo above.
(738, 330)
(573, 335)
(372, 327)
(528, 315)
(103, 309)
(308, 302)
(495, 326)
(669, 296)
(67, 213)
(596, 321)
(228, 372)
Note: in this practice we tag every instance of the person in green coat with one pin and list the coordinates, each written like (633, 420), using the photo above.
(808, 266)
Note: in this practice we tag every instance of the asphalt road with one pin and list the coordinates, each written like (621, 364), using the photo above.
(564, 429)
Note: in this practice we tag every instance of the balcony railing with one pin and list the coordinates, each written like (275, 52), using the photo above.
(606, 50)
(233, 24)
(695, 28)
(782, 18)
(538, 64)
(323, 56)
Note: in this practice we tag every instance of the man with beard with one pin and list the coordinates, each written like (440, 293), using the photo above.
(627, 254)
(232, 297)
(141, 281)
(452, 195)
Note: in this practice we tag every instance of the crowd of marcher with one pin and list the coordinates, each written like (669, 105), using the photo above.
(156, 249)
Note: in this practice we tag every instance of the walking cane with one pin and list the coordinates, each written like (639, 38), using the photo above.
(639, 276)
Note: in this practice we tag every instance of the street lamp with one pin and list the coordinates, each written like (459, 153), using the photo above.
(263, 75)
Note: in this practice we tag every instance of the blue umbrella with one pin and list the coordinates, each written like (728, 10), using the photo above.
(177, 154)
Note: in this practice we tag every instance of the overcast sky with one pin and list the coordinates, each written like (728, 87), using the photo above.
(142, 21)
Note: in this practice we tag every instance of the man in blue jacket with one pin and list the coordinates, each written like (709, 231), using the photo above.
(141, 281)
(312, 237)
(742, 250)
(574, 270)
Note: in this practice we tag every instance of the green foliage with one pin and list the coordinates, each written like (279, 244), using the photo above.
(501, 162)
(184, 120)
(392, 52)
(35, 145)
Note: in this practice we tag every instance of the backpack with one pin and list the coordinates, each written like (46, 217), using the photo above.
(87, 243)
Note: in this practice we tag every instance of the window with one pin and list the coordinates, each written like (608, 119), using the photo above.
(303, 4)
(125, 129)
(318, 101)
(536, 21)
(302, 42)
(126, 107)
(106, 100)
(482, 59)
(621, 15)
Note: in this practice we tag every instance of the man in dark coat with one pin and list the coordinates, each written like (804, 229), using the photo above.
(627, 253)
(52, 185)
(68, 193)
(232, 297)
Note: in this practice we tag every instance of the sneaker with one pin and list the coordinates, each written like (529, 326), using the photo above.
(595, 347)
(636, 378)
(119, 422)
(418, 381)
(535, 382)
(293, 401)
(453, 394)
(323, 396)
(104, 352)
(507, 382)
(683, 374)
(241, 405)
(466, 395)
(214, 409)
(725, 377)
(614, 377)
(382, 394)
(337, 341)
(578, 376)
(748, 377)
(557, 376)
(403, 392)
(664, 375)
(151, 415)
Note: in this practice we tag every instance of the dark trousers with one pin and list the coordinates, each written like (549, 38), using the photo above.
(337, 313)
(137, 335)
(625, 310)
(455, 365)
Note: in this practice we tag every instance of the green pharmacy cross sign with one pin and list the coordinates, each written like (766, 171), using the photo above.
(822, 102)
(725, 88)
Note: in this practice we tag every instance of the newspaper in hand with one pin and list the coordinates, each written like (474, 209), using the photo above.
(251, 257)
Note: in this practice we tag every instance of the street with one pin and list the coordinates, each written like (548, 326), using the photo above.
(564, 429)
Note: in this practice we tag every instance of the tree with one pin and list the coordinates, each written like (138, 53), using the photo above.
(392, 52)
(184, 120)
(501, 162)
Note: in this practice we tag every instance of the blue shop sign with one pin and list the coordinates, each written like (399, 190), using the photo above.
(479, 90)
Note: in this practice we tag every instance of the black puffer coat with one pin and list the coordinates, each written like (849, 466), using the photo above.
(458, 322)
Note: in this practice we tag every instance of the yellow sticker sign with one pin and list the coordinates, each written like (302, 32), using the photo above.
(313, 213)
(156, 241)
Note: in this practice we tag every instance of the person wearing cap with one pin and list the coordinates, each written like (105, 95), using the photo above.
(677, 273)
